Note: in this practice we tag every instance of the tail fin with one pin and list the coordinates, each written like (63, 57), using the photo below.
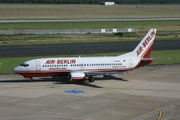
(143, 49)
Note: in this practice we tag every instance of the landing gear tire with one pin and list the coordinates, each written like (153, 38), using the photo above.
(91, 79)
(54, 77)
(30, 78)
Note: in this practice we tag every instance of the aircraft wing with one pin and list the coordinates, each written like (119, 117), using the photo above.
(88, 73)
(100, 73)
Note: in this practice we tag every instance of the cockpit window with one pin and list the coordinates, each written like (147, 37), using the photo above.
(24, 64)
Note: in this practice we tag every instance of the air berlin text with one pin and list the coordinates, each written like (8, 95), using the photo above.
(61, 61)
(145, 43)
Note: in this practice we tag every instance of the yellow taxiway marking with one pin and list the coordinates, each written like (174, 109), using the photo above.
(139, 98)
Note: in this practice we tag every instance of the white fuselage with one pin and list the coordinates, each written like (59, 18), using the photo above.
(50, 66)
(82, 67)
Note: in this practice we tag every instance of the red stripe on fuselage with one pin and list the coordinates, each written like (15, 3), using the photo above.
(62, 73)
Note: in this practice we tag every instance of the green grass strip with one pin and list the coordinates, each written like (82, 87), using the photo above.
(88, 25)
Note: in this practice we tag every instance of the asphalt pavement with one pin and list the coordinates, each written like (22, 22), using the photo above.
(87, 19)
(147, 93)
(80, 48)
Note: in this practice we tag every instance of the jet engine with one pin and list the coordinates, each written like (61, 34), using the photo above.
(77, 76)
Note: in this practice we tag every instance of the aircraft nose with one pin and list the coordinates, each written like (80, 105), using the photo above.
(17, 69)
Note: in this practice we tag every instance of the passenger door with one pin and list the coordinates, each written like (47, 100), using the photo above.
(38, 65)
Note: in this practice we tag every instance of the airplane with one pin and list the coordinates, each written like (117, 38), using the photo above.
(85, 68)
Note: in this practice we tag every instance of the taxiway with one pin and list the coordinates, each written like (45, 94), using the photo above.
(80, 48)
(88, 19)
(148, 93)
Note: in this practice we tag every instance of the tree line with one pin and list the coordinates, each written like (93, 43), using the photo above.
(89, 1)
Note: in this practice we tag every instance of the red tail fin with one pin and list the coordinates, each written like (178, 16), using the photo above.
(143, 49)
(147, 53)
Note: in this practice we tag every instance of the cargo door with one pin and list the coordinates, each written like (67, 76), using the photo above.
(130, 63)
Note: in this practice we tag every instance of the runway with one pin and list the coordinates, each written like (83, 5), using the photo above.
(148, 93)
(80, 48)
(88, 19)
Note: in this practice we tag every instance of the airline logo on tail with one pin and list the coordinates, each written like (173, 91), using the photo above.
(146, 42)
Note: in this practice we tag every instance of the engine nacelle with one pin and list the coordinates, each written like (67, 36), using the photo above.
(76, 76)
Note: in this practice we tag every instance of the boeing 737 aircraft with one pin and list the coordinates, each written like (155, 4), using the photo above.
(84, 68)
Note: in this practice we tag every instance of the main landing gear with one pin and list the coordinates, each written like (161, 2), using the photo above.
(30, 78)
(91, 79)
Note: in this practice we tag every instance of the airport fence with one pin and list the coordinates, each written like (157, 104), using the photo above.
(67, 31)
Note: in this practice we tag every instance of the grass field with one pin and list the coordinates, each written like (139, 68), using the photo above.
(143, 26)
(164, 57)
(25, 40)
(15, 11)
